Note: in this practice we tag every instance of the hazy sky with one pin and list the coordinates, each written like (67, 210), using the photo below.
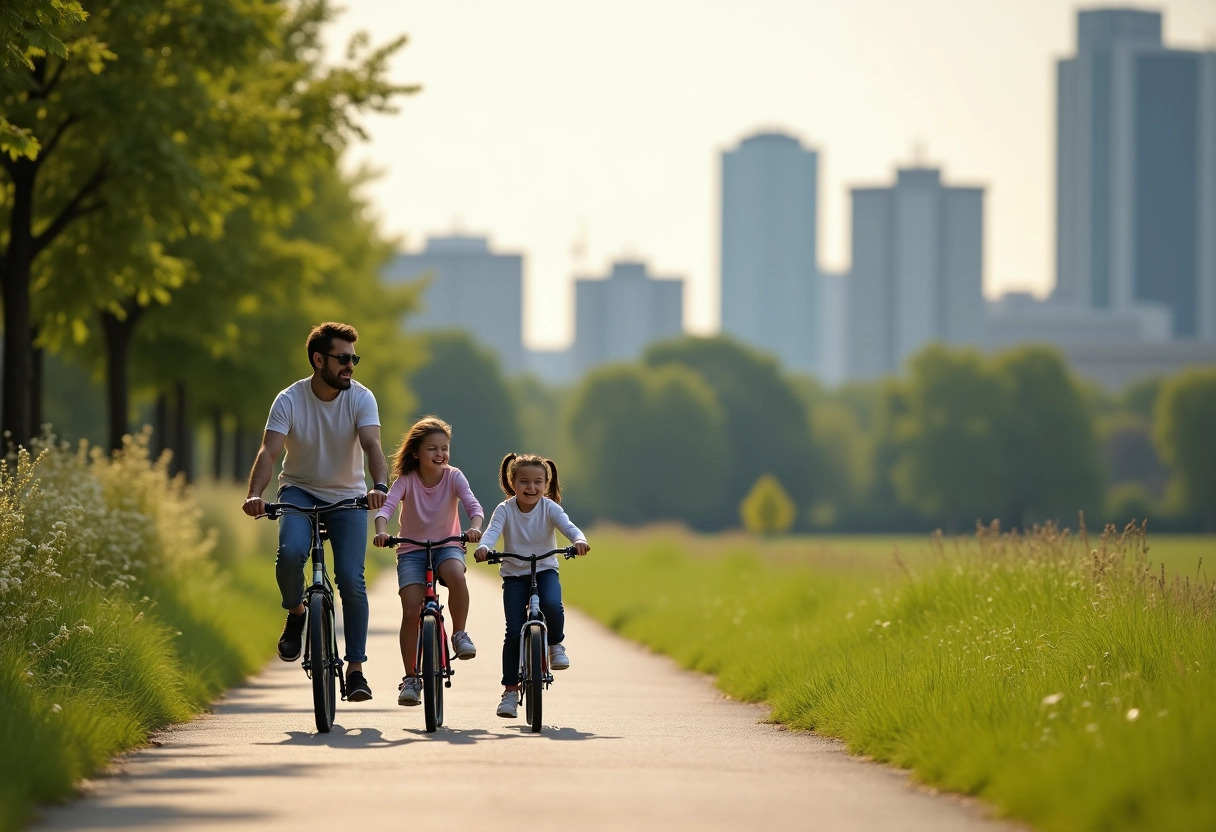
(542, 122)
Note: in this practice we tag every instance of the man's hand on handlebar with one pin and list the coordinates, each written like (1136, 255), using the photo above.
(375, 499)
(254, 506)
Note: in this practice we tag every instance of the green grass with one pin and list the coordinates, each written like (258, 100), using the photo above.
(109, 621)
(1068, 687)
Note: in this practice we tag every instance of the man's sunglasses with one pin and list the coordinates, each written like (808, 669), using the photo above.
(345, 358)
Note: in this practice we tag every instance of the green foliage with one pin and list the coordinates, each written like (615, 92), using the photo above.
(1045, 441)
(462, 383)
(26, 33)
(765, 419)
(1061, 679)
(181, 153)
(647, 445)
(104, 634)
(767, 509)
(947, 457)
(1186, 413)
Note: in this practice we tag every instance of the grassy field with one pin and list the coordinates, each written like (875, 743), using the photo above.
(1065, 681)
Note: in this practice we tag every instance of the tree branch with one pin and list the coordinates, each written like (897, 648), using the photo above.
(50, 143)
(74, 209)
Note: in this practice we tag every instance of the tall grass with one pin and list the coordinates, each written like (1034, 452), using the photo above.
(1066, 680)
(114, 618)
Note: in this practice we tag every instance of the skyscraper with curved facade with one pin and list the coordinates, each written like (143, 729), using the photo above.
(769, 265)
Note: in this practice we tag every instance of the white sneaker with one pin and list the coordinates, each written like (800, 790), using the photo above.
(558, 660)
(411, 691)
(462, 645)
(508, 708)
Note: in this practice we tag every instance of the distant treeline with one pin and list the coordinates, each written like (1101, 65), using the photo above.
(685, 433)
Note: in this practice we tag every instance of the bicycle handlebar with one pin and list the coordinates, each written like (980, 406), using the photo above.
(275, 510)
(496, 557)
(396, 541)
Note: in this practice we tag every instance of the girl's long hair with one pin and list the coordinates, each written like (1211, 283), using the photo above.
(406, 458)
(513, 461)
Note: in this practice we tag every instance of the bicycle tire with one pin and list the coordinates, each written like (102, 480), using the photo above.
(534, 676)
(321, 646)
(431, 682)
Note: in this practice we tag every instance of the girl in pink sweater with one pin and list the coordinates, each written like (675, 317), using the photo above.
(428, 491)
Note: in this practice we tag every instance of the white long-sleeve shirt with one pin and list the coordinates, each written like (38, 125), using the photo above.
(528, 533)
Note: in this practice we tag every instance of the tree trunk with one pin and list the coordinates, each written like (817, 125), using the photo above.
(239, 465)
(118, 332)
(16, 419)
(217, 447)
(184, 455)
(36, 384)
(160, 426)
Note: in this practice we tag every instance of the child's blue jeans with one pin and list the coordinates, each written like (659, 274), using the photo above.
(515, 592)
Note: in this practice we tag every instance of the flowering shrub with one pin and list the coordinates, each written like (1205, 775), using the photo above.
(75, 521)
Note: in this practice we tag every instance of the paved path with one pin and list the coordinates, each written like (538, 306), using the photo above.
(630, 743)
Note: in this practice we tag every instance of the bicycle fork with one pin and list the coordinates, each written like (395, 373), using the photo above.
(536, 620)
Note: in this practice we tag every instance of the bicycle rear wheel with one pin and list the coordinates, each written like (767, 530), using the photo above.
(432, 683)
(534, 676)
(321, 646)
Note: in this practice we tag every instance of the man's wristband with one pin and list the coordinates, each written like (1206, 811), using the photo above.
(381, 487)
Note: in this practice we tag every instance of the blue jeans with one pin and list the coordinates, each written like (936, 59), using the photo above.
(515, 592)
(348, 541)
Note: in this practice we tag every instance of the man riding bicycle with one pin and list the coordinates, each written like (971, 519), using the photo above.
(327, 423)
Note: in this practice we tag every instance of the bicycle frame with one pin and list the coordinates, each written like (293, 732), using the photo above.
(321, 585)
(433, 609)
(534, 619)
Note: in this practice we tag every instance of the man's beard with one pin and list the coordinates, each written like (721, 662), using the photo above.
(334, 380)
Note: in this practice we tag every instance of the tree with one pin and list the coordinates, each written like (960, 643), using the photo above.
(190, 110)
(1183, 431)
(766, 421)
(945, 442)
(1045, 440)
(767, 509)
(461, 382)
(648, 445)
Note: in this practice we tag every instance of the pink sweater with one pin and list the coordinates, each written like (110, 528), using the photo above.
(430, 513)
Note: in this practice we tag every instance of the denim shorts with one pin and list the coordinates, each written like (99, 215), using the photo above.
(411, 567)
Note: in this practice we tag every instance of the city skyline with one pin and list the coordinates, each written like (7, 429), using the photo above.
(539, 121)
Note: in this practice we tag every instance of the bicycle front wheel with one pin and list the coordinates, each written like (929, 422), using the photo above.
(432, 682)
(534, 676)
(321, 646)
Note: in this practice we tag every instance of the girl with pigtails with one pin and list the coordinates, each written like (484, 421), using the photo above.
(526, 522)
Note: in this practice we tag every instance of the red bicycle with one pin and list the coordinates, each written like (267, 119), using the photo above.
(433, 662)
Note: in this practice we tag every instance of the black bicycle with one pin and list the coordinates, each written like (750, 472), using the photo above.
(534, 673)
(321, 661)
(433, 661)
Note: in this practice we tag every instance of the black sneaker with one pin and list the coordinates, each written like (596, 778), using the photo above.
(356, 687)
(290, 643)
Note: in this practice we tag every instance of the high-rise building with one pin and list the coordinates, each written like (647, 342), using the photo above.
(470, 288)
(769, 266)
(1136, 172)
(917, 273)
(617, 317)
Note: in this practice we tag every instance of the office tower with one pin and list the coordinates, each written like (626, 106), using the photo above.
(770, 283)
(468, 288)
(617, 317)
(1136, 172)
(917, 273)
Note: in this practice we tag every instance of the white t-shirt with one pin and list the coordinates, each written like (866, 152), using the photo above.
(324, 456)
(528, 533)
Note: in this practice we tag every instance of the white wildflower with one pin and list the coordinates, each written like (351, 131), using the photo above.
(1133, 714)
(1052, 699)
